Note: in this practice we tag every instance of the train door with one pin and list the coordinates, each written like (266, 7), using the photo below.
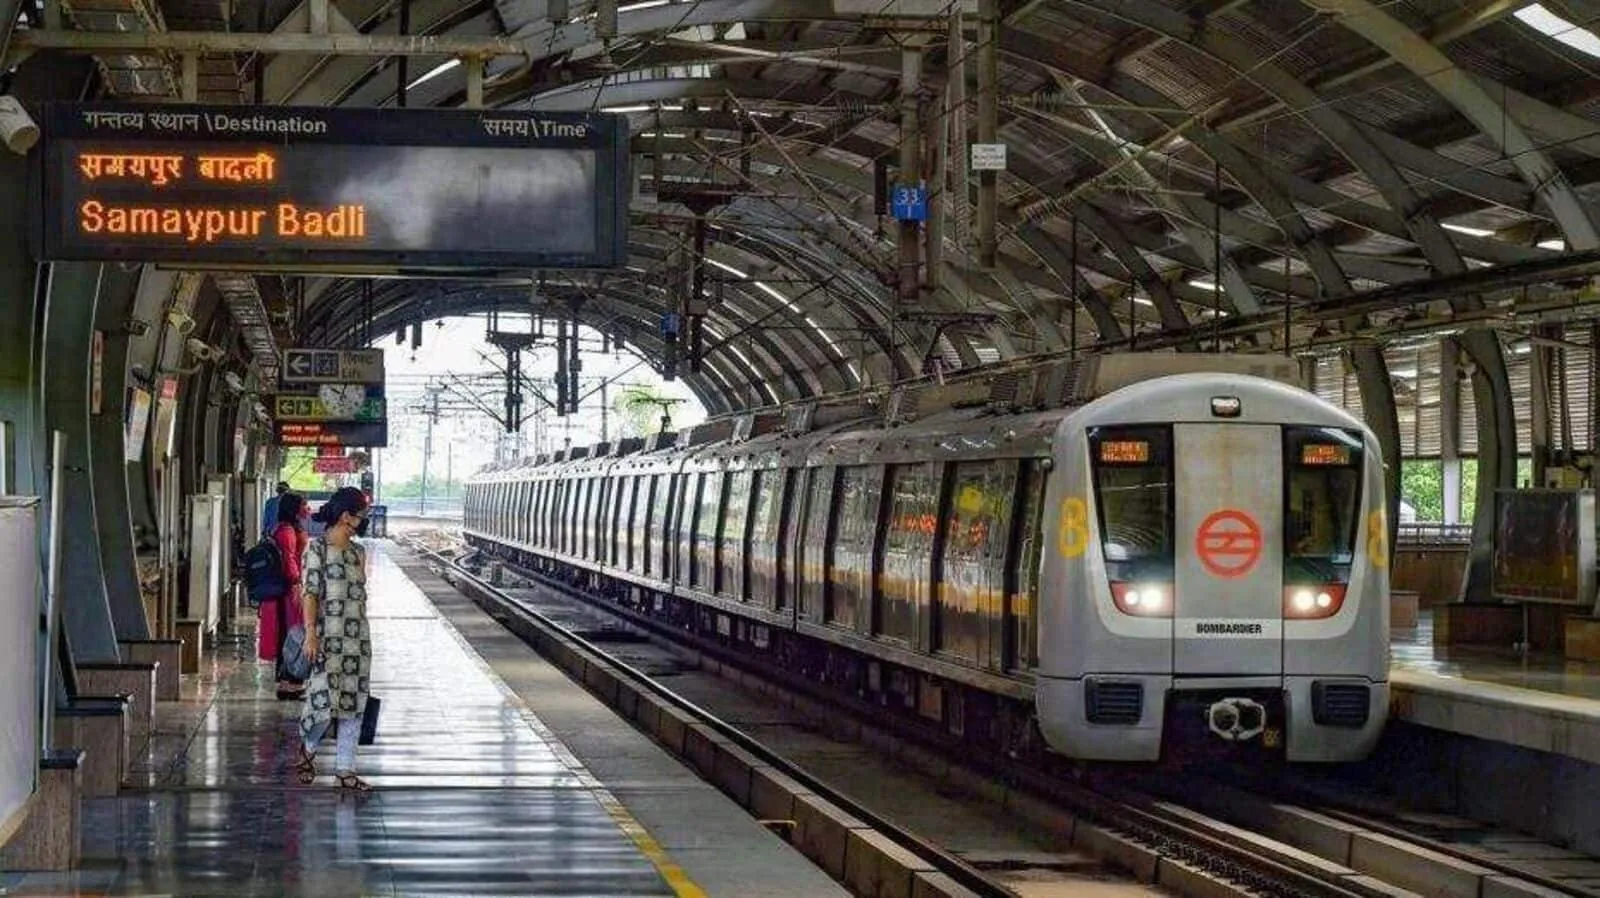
(1228, 594)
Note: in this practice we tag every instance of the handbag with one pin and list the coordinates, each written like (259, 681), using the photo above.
(369, 721)
(296, 663)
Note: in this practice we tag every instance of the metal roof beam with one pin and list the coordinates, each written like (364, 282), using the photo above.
(1464, 92)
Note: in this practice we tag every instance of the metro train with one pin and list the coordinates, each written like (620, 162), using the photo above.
(1181, 566)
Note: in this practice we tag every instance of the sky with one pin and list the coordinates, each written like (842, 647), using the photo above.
(465, 437)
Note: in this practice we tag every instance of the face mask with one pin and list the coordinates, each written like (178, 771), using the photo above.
(361, 528)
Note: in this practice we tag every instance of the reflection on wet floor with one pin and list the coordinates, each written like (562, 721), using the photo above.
(471, 799)
(1415, 651)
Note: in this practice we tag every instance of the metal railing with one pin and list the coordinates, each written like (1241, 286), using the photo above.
(1433, 533)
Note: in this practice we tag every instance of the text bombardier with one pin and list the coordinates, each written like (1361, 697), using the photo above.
(213, 225)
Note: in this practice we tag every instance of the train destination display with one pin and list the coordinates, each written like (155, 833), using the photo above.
(314, 187)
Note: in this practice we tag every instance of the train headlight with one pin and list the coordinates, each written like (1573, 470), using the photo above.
(1313, 601)
(1142, 599)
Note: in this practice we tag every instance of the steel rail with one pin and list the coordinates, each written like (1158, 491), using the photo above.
(1181, 838)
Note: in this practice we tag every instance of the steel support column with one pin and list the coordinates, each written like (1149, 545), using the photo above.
(1378, 408)
(910, 282)
(108, 467)
(1450, 427)
(18, 377)
(988, 48)
(72, 292)
(1497, 452)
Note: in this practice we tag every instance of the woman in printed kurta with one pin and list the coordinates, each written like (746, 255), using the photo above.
(334, 596)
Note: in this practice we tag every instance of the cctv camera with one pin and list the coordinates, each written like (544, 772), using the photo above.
(17, 127)
(203, 351)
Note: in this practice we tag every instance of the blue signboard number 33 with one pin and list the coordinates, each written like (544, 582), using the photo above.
(909, 202)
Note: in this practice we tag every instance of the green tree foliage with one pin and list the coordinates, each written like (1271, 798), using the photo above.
(639, 410)
(1422, 487)
(438, 488)
(298, 472)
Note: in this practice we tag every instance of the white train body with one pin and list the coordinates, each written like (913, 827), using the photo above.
(1241, 517)
(1187, 563)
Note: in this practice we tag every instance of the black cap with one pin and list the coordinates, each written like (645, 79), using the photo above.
(283, 487)
(346, 499)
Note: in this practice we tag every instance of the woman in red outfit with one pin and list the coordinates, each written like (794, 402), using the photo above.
(290, 535)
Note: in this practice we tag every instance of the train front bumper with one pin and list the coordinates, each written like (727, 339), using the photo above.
(1124, 717)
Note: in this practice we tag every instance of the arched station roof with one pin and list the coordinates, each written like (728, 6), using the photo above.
(1179, 172)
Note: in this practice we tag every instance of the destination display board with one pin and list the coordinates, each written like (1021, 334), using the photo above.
(311, 187)
(331, 433)
(1544, 546)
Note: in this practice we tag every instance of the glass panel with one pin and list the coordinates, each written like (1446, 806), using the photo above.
(1322, 504)
(1133, 498)
(730, 541)
(850, 559)
(972, 582)
(908, 548)
(655, 553)
(705, 532)
(813, 562)
(684, 503)
(1025, 598)
(766, 495)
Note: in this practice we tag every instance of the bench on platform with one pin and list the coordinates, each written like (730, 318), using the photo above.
(168, 653)
(135, 678)
(100, 725)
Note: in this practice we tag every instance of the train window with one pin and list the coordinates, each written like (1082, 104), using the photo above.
(813, 562)
(706, 523)
(558, 529)
(621, 487)
(977, 527)
(661, 501)
(908, 548)
(586, 508)
(598, 515)
(765, 581)
(540, 526)
(855, 524)
(1133, 501)
(731, 536)
(685, 499)
(1322, 503)
(1023, 615)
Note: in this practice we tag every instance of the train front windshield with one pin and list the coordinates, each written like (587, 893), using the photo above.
(1323, 503)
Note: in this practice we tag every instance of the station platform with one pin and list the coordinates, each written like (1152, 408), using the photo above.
(1542, 703)
(481, 788)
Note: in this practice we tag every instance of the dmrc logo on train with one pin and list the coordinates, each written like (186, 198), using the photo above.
(1228, 543)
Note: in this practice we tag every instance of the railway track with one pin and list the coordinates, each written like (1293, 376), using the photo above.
(1158, 839)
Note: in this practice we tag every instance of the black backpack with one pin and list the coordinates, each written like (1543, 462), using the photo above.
(263, 572)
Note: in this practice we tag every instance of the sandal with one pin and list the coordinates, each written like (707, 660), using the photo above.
(354, 783)
(307, 767)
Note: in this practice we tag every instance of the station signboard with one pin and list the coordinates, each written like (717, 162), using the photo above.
(331, 433)
(342, 464)
(313, 188)
(353, 366)
(349, 402)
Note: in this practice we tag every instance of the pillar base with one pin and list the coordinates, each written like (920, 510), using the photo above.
(100, 724)
(1583, 638)
(135, 678)
(191, 634)
(166, 652)
(48, 837)
(1403, 606)
(1463, 624)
